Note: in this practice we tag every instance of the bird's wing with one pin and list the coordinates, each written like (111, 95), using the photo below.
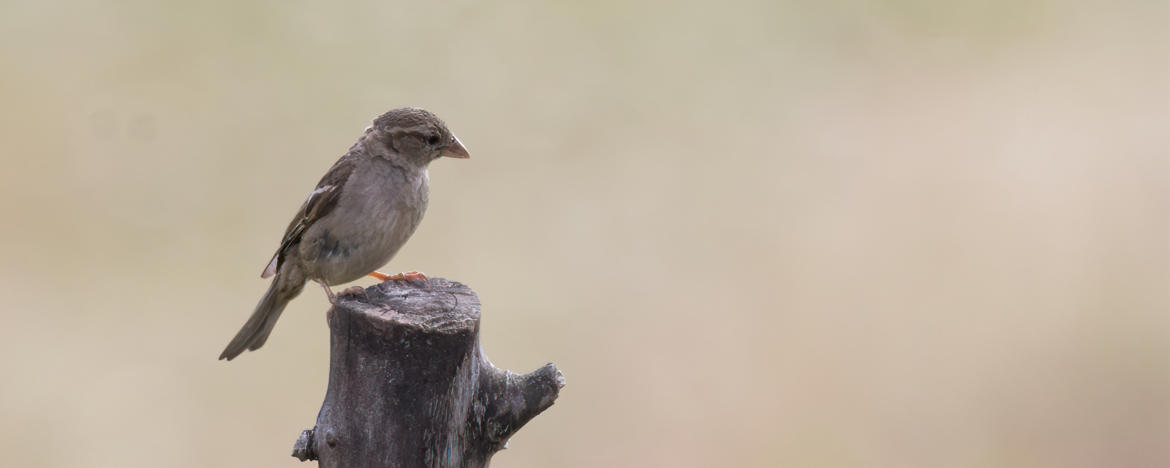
(321, 201)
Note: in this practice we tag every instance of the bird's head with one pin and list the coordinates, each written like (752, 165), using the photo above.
(414, 135)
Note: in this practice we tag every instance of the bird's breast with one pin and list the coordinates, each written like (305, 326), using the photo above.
(372, 224)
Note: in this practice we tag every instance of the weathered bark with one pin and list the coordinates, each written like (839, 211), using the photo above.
(409, 385)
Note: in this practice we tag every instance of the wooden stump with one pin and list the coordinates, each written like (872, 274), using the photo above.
(409, 385)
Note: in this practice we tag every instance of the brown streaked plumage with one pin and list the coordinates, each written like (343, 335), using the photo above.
(361, 212)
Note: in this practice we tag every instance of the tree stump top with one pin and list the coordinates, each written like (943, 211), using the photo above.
(436, 305)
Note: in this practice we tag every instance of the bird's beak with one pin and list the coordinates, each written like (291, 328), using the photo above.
(455, 149)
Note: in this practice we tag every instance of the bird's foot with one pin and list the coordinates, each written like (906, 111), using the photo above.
(329, 293)
(404, 276)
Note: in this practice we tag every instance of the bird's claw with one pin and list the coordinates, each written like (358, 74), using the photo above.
(404, 276)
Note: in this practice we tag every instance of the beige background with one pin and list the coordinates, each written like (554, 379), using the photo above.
(894, 233)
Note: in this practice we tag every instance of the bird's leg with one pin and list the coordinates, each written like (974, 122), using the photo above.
(404, 276)
(328, 292)
(379, 276)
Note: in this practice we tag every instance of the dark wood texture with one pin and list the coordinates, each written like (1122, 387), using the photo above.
(409, 385)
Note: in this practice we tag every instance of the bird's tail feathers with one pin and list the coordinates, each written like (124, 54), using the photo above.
(256, 330)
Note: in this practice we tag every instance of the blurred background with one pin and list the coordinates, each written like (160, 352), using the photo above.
(893, 233)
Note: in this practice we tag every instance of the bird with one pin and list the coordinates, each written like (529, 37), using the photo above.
(360, 214)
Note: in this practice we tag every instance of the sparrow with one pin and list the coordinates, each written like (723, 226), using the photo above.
(362, 211)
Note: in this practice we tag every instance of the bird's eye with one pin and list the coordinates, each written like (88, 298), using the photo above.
(432, 139)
